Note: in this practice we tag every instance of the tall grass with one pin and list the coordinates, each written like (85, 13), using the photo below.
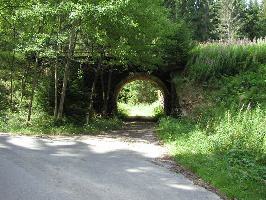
(222, 58)
(232, 156)
(221, 140)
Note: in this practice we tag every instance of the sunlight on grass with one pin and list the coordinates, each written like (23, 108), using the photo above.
(147, 110)
(140, 98)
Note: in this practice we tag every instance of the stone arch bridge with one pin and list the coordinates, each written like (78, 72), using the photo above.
(110, 82)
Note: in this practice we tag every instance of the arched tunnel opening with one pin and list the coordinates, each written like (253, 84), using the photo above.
(141, 96)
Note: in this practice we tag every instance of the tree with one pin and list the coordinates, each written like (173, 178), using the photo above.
(263, 18)
(253, 24)
(126, 33)
(230, 19)
(51, 36)
(198, 14)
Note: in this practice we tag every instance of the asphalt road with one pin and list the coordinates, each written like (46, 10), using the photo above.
(89, 168)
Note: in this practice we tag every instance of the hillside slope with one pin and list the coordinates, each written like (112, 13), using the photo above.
(222, 134)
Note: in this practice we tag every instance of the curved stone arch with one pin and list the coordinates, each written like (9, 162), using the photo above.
(143, 76)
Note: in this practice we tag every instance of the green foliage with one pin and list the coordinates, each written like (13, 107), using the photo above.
(177, 46)
(122, 111)
(230, 154)
(244, 88)
(158, 112)
(221, 19)
(42, 123)
(139, 92)
(154, 110)
(230, 18)
(255, 23)
(42, 40)
(218, 59)
(222, 137)
(140, 98)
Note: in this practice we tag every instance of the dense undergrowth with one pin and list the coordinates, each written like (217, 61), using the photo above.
(222, 135)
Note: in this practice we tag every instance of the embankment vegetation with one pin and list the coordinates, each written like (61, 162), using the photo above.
(221, 135)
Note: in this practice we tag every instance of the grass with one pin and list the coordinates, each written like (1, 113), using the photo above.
(136, 110)
(212, 60)
(43, 124)
(222, 137)
(229, 152)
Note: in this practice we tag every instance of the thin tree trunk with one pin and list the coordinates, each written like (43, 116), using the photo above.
(90, 108)
(11, 79)
(63, 93)
(34, 83)
(207, 21)
(103, 91)
(71, 48)
(56, 71)
(23, 84)
(11, 70)
(55, 90)
(107, 96)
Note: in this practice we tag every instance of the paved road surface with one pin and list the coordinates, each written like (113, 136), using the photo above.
(117, 166)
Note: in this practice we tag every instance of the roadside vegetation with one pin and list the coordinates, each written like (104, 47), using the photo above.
(44, 124)
(222, 133)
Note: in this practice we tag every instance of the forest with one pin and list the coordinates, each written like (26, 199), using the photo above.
(48, 47)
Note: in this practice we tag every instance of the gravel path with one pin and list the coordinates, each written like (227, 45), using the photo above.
(118, 165)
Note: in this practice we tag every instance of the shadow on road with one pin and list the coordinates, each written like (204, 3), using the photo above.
(94, 168)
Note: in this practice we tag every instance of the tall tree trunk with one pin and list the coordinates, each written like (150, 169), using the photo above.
(55, 90)
(11, 79)
(103, 91)
(63, 92)
(90, 107)
(56, 70)
(12, 69)
(23, 84)
(11, 85)
(206, 20)
(71, 48)
(34, 83)
(107, 96)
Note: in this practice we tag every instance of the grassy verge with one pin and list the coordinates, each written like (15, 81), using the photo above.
(43, 124)
(228, 151)
(222, 134)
